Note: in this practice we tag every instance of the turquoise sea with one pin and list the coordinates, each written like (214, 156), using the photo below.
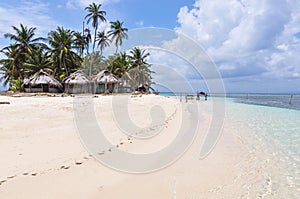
(272, 123)
(274, 116)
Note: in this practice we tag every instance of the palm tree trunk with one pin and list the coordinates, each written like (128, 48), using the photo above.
(117, 49)
(95, 38)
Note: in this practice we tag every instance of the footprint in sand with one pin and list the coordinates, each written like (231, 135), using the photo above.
(2, 181)
(64, 167)
(78, 163)
(11, 177)
(34, 174)
(25, 174)
(101, 153)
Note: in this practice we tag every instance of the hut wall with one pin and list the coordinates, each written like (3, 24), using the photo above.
(78, 88)
(101, 88)
(40, 90)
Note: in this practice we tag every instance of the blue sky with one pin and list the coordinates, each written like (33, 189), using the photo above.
(254, 44)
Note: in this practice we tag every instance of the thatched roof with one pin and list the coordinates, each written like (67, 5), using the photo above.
(105, 76)
(42, 78)
(77, 77)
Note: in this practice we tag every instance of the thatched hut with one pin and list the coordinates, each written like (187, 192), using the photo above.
(78, 82)
(105, 82)
(42, 82)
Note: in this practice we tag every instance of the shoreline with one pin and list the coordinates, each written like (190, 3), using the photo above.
(42, 152)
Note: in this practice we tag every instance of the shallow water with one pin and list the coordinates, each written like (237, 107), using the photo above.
(269, 126)
(273, 137)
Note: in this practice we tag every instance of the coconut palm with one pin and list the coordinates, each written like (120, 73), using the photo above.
(96, 16)
(120, 65)
(10, 65)
(24, 39)
(24, 43)
(103, 41)
(79, 42)
(62, 46)
(117, 33)
(88, 39)
(93, 63)
(140, 69)
(38, 61)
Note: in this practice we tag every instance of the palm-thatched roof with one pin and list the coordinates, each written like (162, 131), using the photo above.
(106, 77)
(42, 78)
(77, 77)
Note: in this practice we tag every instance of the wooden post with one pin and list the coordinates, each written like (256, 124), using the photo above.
(290, 102)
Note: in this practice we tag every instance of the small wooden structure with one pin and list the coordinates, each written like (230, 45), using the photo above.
(202, 94)
(77, 83)
(105, 82)
(42, 82)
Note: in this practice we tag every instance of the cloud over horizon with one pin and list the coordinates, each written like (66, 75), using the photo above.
(247, 38)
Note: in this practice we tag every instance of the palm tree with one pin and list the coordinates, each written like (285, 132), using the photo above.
(24, 39)
(79, 42)
(117, 33)
(139, 67)
(103, 41)
(93, 63)
(64, 58)
(95, 14)
(88, 39)
(10, 66)
(120, 65)
(16, 54)
(38, 61)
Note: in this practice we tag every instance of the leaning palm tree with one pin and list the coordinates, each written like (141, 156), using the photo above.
(117, 33)
(95, 15)
(103, 41)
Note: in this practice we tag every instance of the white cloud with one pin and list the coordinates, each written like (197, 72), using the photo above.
(140, 23)
(247, 38)
(29, 13)
(74, 4)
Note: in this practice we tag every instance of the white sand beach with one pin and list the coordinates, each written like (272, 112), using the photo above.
(42, 155)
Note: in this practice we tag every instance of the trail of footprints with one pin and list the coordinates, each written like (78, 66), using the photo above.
(33, 174)
(63, 167)
(129, 139)
(78, 163)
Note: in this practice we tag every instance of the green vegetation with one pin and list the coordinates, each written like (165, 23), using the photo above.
(65, 51)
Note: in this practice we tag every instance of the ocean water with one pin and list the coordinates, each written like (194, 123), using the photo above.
(289, 101)
(275, 117)
(271, 124)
